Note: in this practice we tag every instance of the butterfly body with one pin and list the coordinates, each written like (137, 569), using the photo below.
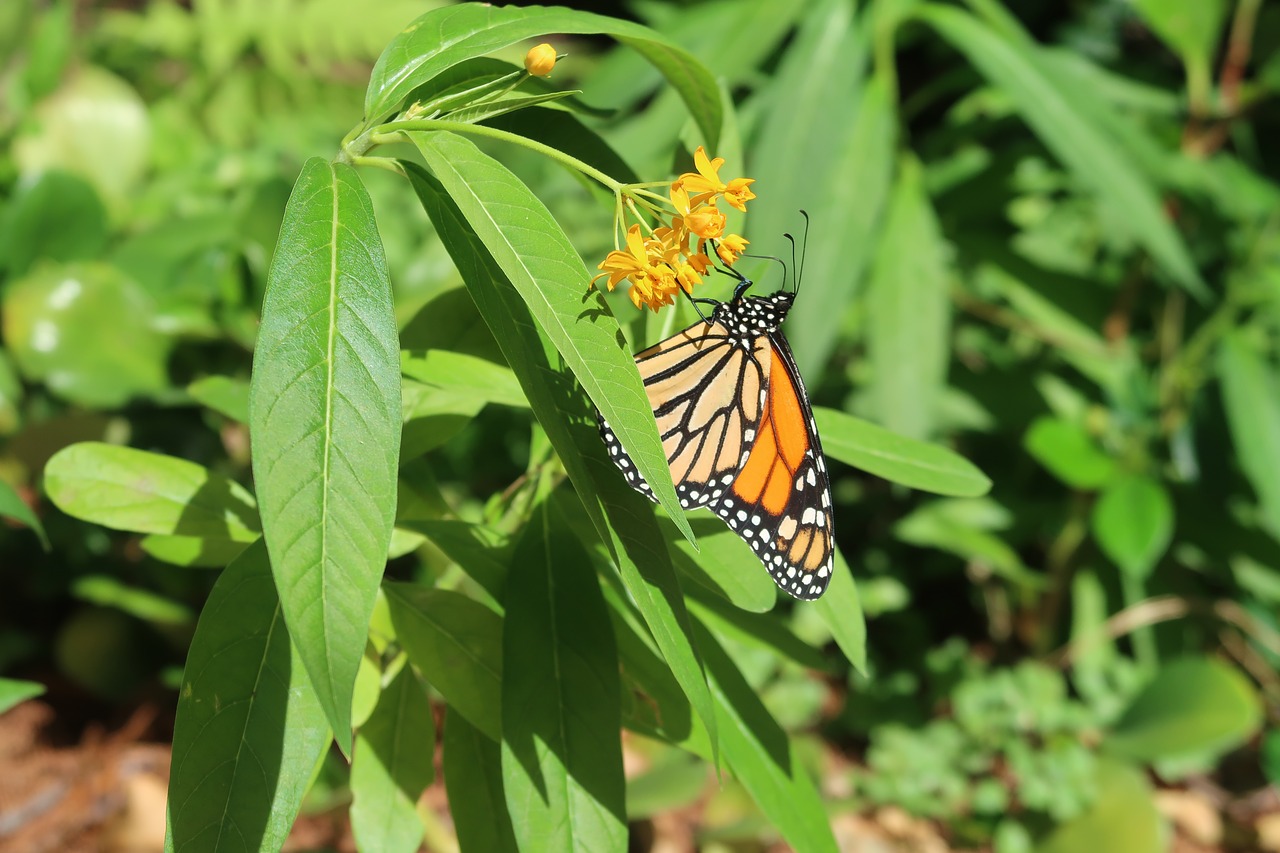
(740, 438)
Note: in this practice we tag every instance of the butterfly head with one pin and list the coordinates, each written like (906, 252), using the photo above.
(754, 315)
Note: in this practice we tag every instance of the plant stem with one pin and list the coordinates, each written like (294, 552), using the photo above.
(386, 133)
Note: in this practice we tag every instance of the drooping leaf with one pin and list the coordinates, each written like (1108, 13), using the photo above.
(841, 611)
(762, 757)
(324, 415)
(249, 729)
(561, 753)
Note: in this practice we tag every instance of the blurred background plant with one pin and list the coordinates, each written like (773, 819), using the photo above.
(1048, 236)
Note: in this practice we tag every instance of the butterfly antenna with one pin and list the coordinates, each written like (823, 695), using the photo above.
(795, 282)
(773, 258)
(804, 249)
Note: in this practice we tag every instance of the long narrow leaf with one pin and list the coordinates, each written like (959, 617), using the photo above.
(908, 307)
(325, 421)
(456, 643)
(129, 489)
(762, 758)
(630, 533)
(392, 765)
(249, 729)
(561, 754)
(1014, 66)
(537, 258)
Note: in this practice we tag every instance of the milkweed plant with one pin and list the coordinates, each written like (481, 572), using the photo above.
(576, 615)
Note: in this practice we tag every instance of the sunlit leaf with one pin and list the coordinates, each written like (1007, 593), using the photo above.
(324, 415)
(918, 464)
(129, 489)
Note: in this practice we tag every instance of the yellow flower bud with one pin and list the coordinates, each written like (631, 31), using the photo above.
(540, 60)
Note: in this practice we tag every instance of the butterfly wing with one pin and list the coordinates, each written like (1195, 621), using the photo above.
(740, 439)
(780, 501)
(707, 392)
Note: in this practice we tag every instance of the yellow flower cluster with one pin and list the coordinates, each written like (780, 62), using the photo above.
(668, 259)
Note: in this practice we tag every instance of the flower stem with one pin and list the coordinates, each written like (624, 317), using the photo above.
(386, 133)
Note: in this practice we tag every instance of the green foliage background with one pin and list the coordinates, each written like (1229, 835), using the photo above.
(1044, 241)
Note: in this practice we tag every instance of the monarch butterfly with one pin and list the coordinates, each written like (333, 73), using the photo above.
(739, 435)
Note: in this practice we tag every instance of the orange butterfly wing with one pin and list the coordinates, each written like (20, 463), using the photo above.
(740, 438)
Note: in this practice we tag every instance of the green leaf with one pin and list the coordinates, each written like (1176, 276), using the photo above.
(1191, 30)
(14, 692)
(1067, 450)
(1123, 817)
(473, 781)
(144, 604)
(538, 259)
(561, 711)
(1015, 65)
(674, 781)
(456, 643)
(95, 125)
(630, 534)
(57, 217)
(223, 394)
(444, 37)
(433, 416)
(192, 551)
(909, 311)
(1251, 398)
(938, 525)
(392, 765)
(87, 331)
(917, 464)
(464, 374)
(324, 414)
(481, 552)
(762, 758)
(128, 489)
(249, 729)
(825, 65)
(723, 563)
(841, 611)
(1192, 705)
(1133, 523)
(12, 506)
